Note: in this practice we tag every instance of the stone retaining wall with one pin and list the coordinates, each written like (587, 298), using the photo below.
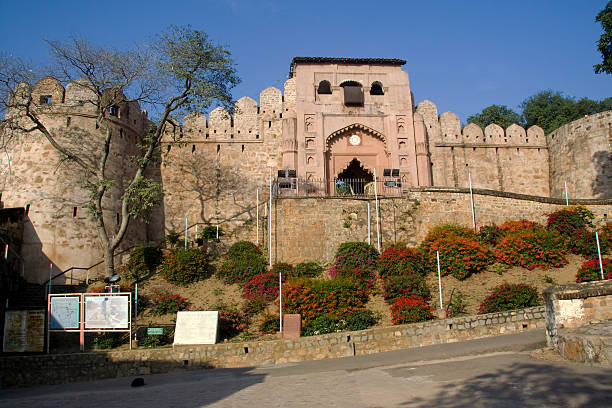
(55, 369)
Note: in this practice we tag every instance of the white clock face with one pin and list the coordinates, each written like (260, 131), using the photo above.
(354, 140)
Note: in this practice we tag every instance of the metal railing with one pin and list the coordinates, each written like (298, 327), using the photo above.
(299, 187)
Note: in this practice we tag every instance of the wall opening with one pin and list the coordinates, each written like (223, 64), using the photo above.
(218, 148)
(68, 120)
(324, 88)
(376, 89)
(45, 99)
(27, 210)
(192, 148)
(74, 212)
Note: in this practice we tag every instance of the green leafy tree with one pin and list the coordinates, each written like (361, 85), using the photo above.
(181, 70)
(604, 45)
(498, 114)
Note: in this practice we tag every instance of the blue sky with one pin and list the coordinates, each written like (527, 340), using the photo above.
(462, 55)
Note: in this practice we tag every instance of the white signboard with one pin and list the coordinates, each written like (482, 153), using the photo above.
(106, 312)
(196, 327)
(65, 312)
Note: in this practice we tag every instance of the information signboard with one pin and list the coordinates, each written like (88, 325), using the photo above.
(107, 312)
(23, 331)
(65, 312)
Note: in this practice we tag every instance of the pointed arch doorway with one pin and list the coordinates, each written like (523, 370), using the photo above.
(355, 177)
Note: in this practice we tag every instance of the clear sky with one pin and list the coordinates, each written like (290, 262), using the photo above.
(462, 55)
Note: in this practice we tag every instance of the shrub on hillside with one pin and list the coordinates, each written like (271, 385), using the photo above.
(568, 220)
(411, 285)
(590, 270)
(185, 266)
(490, 234)
(509, 297)
(357, 261)
(460, 255)
(512, 226)
(313, 298)
(448, 230)
(231, 323)
(243, 261)
(307, 270)
(410, 310)
(142, 262)
(605, 234)
(401, 261)
(286, 269)
(263, 286)
(269, 324)
(166, 302)
(358, 320)
(532, 249)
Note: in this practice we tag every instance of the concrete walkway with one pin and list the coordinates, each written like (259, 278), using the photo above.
(493, 372)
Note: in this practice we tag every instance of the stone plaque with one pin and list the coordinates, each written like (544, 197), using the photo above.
(196, 327)
(292, 326)
(24, 331)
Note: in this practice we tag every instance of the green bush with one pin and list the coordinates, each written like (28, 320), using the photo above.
(269, 324)
(108, 340)
(401, 261)
(448, 230)
(166, 302)
(361, 320)
(358, 320)
(356, 255)
(532, 249)
(210, 232)
(490, 234)
(307, 270)
(286, 269)
(154, 341)
(568, 220)
(243, 261)
(410, 310)
(185, 266)
(411, 285)
(142, 262)
(510, 297)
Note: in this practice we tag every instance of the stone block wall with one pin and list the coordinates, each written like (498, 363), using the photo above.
(307, 229)
(57, 369)
(576, 305)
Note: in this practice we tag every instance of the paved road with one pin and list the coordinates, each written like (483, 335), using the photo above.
(495, 372)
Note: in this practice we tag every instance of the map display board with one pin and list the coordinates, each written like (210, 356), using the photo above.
(24, 331)
(65, 312)
(107, 312)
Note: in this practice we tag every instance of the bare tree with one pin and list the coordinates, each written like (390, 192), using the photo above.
(181, 70)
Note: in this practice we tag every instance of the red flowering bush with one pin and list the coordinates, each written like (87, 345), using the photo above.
(590, 271)
(490, 234)
(568, 220)
(605, 234)
(166, 302)
(269, 324)
(509, 297)
(357, 261)
(232, 322)
(243, 261)
(263, 286)
(401, 261)
(447, 231)
(313, 298)
(532, 249)
(460, 256)
(410, 310)
(410, 285)
(185, 266)
(286, 269)
(511, 226)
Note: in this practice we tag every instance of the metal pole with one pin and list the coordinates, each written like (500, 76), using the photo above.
(217, 232)
(136, 313)
(377, 223)
(257, 216)
(196, 232)
(599, 254)
(50, 276)
(369, 234)
(439, 279)
(280, 301)
(6, 252)
(566, 200)
(472, 202)
(185, 232)
(270, 221)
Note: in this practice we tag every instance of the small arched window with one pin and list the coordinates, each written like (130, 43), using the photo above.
(376, 89)
(324, 88)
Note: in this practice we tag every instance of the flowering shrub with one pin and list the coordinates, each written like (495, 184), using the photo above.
(490, 234)
(358, 320)
(446, 231)
(401, 261)
(185, 266)
(232, 322)
(356, 255)
(269, 324)
(509, 297)
(509, 227)
(411, 285)
(307, 270)
(460, 256)
(142, 262)
(243, 261)
(263, 286)
(166, 302)
(590, 271)
(583, 242)
(313, 298)
(532, 249)
(254, 306)
(286, 269)
(410, 310)
(569, 220)
(605, 234)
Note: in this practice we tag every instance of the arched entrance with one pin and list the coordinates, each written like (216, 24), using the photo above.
(354, 178)
(354, 153)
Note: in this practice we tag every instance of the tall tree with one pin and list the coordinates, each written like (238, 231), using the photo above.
(499, 114)
(181, 70)
(604, 45)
